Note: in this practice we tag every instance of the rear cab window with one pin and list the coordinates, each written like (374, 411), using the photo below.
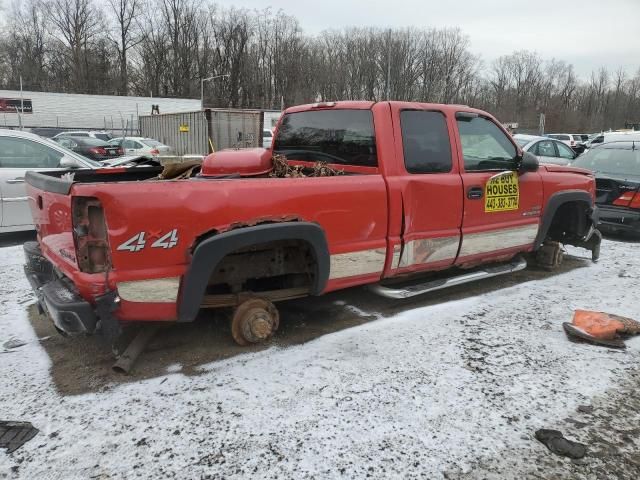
(425, 142)
(485, 146)
(342, 137)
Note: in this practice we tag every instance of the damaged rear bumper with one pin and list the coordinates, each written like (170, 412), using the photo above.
(58, 298)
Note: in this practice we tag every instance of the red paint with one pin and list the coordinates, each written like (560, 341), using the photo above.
(368, 208)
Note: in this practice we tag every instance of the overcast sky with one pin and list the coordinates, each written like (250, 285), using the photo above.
(587, 33)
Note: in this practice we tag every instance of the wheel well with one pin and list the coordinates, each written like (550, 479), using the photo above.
(570, 222)
(275, 265)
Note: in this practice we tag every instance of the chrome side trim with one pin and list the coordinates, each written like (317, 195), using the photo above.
(429, 250)
(484, 242)
(362, 262)
(15, 199)
(159, 290)
(515, 265)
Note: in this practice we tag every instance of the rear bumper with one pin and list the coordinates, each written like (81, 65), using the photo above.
(59, 299)
(69, 312)
(619, 220)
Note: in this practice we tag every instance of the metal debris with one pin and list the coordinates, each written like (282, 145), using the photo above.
(15, 434)
(282, 169)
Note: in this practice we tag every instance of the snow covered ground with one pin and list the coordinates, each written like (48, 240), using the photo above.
(452, 390)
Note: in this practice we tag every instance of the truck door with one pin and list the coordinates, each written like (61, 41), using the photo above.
(427, 191)
(501, 205)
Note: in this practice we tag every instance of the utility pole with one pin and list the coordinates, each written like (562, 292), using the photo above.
(21, 97)
(202, 80)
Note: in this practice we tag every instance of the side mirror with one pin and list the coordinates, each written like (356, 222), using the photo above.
(528, 163)
(66, 162)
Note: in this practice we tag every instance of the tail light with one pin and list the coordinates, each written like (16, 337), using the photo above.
(573, 143)
(98, 150)
(628, 199)
(155, 151)
(90, 235)
(120, 151)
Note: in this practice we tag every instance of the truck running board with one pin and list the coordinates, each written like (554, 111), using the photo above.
(412, 290)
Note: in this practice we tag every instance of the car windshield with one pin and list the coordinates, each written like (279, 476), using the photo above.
(613, 160)
(73, 154)
(91, 142)
(151, 143)
(522, 141)
(103, 136)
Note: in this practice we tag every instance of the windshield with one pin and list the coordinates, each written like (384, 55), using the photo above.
(72, 154)
(103, 136)
(333, 136)
(613, 161)
(151, 143)
(522, 141)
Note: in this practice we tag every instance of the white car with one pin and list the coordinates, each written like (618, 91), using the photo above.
(141, 146)
(99, 134)
(572, 140)
(607, 137)
(546, 149)
(22, 151)
(267, 138)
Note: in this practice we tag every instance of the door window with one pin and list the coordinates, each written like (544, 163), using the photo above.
(564, 151)
(24, 153)
(484, 145)
(425, 141)
(545, 148)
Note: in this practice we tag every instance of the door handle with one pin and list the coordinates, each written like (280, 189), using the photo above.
(475, 193)
(16, 180)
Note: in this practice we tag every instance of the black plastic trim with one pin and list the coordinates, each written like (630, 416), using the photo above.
(212, 250)
(556, 200)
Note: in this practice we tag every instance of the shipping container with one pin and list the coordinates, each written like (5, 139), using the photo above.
(204, 131)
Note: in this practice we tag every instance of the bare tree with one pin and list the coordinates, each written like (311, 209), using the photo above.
(127, 36)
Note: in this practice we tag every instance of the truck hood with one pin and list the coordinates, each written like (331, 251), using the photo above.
(566, 169)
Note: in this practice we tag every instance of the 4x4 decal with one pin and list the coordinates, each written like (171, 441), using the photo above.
(139, 242)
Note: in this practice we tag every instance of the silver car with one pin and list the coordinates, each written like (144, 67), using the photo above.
(19, 152)
(546, 149)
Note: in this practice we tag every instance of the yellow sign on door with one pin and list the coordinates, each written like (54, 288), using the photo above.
(502, 193)
(183, 128)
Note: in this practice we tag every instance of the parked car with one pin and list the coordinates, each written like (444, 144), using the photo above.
(389, 189)
(546, 149)
(144, 147)
(607, 137)
(99, 134)
(48, 132)
(572, 140)
(21, 152)
(617, 169)
(267, 137)
(89, 147)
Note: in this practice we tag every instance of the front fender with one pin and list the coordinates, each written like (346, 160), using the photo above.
(555, 202)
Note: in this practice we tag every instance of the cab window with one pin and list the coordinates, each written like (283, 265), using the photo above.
(343, 137)
(425, 141)
(484, 145)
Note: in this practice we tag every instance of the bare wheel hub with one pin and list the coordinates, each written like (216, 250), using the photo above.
(254, 321)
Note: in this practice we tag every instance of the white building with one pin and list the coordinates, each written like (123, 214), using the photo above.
(79, 111)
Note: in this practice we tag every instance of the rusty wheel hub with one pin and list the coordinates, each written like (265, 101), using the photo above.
(254, 321)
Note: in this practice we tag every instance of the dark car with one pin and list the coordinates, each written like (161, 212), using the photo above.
(617, 169)
(89, 147)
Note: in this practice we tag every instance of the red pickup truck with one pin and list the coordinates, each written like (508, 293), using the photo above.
(427, 196)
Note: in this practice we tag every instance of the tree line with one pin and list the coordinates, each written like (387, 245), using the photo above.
(165, 47)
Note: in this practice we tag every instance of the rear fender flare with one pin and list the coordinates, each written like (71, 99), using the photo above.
(208, 254)
(555, 202)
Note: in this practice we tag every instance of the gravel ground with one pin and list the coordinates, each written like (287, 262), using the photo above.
(450, 385)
